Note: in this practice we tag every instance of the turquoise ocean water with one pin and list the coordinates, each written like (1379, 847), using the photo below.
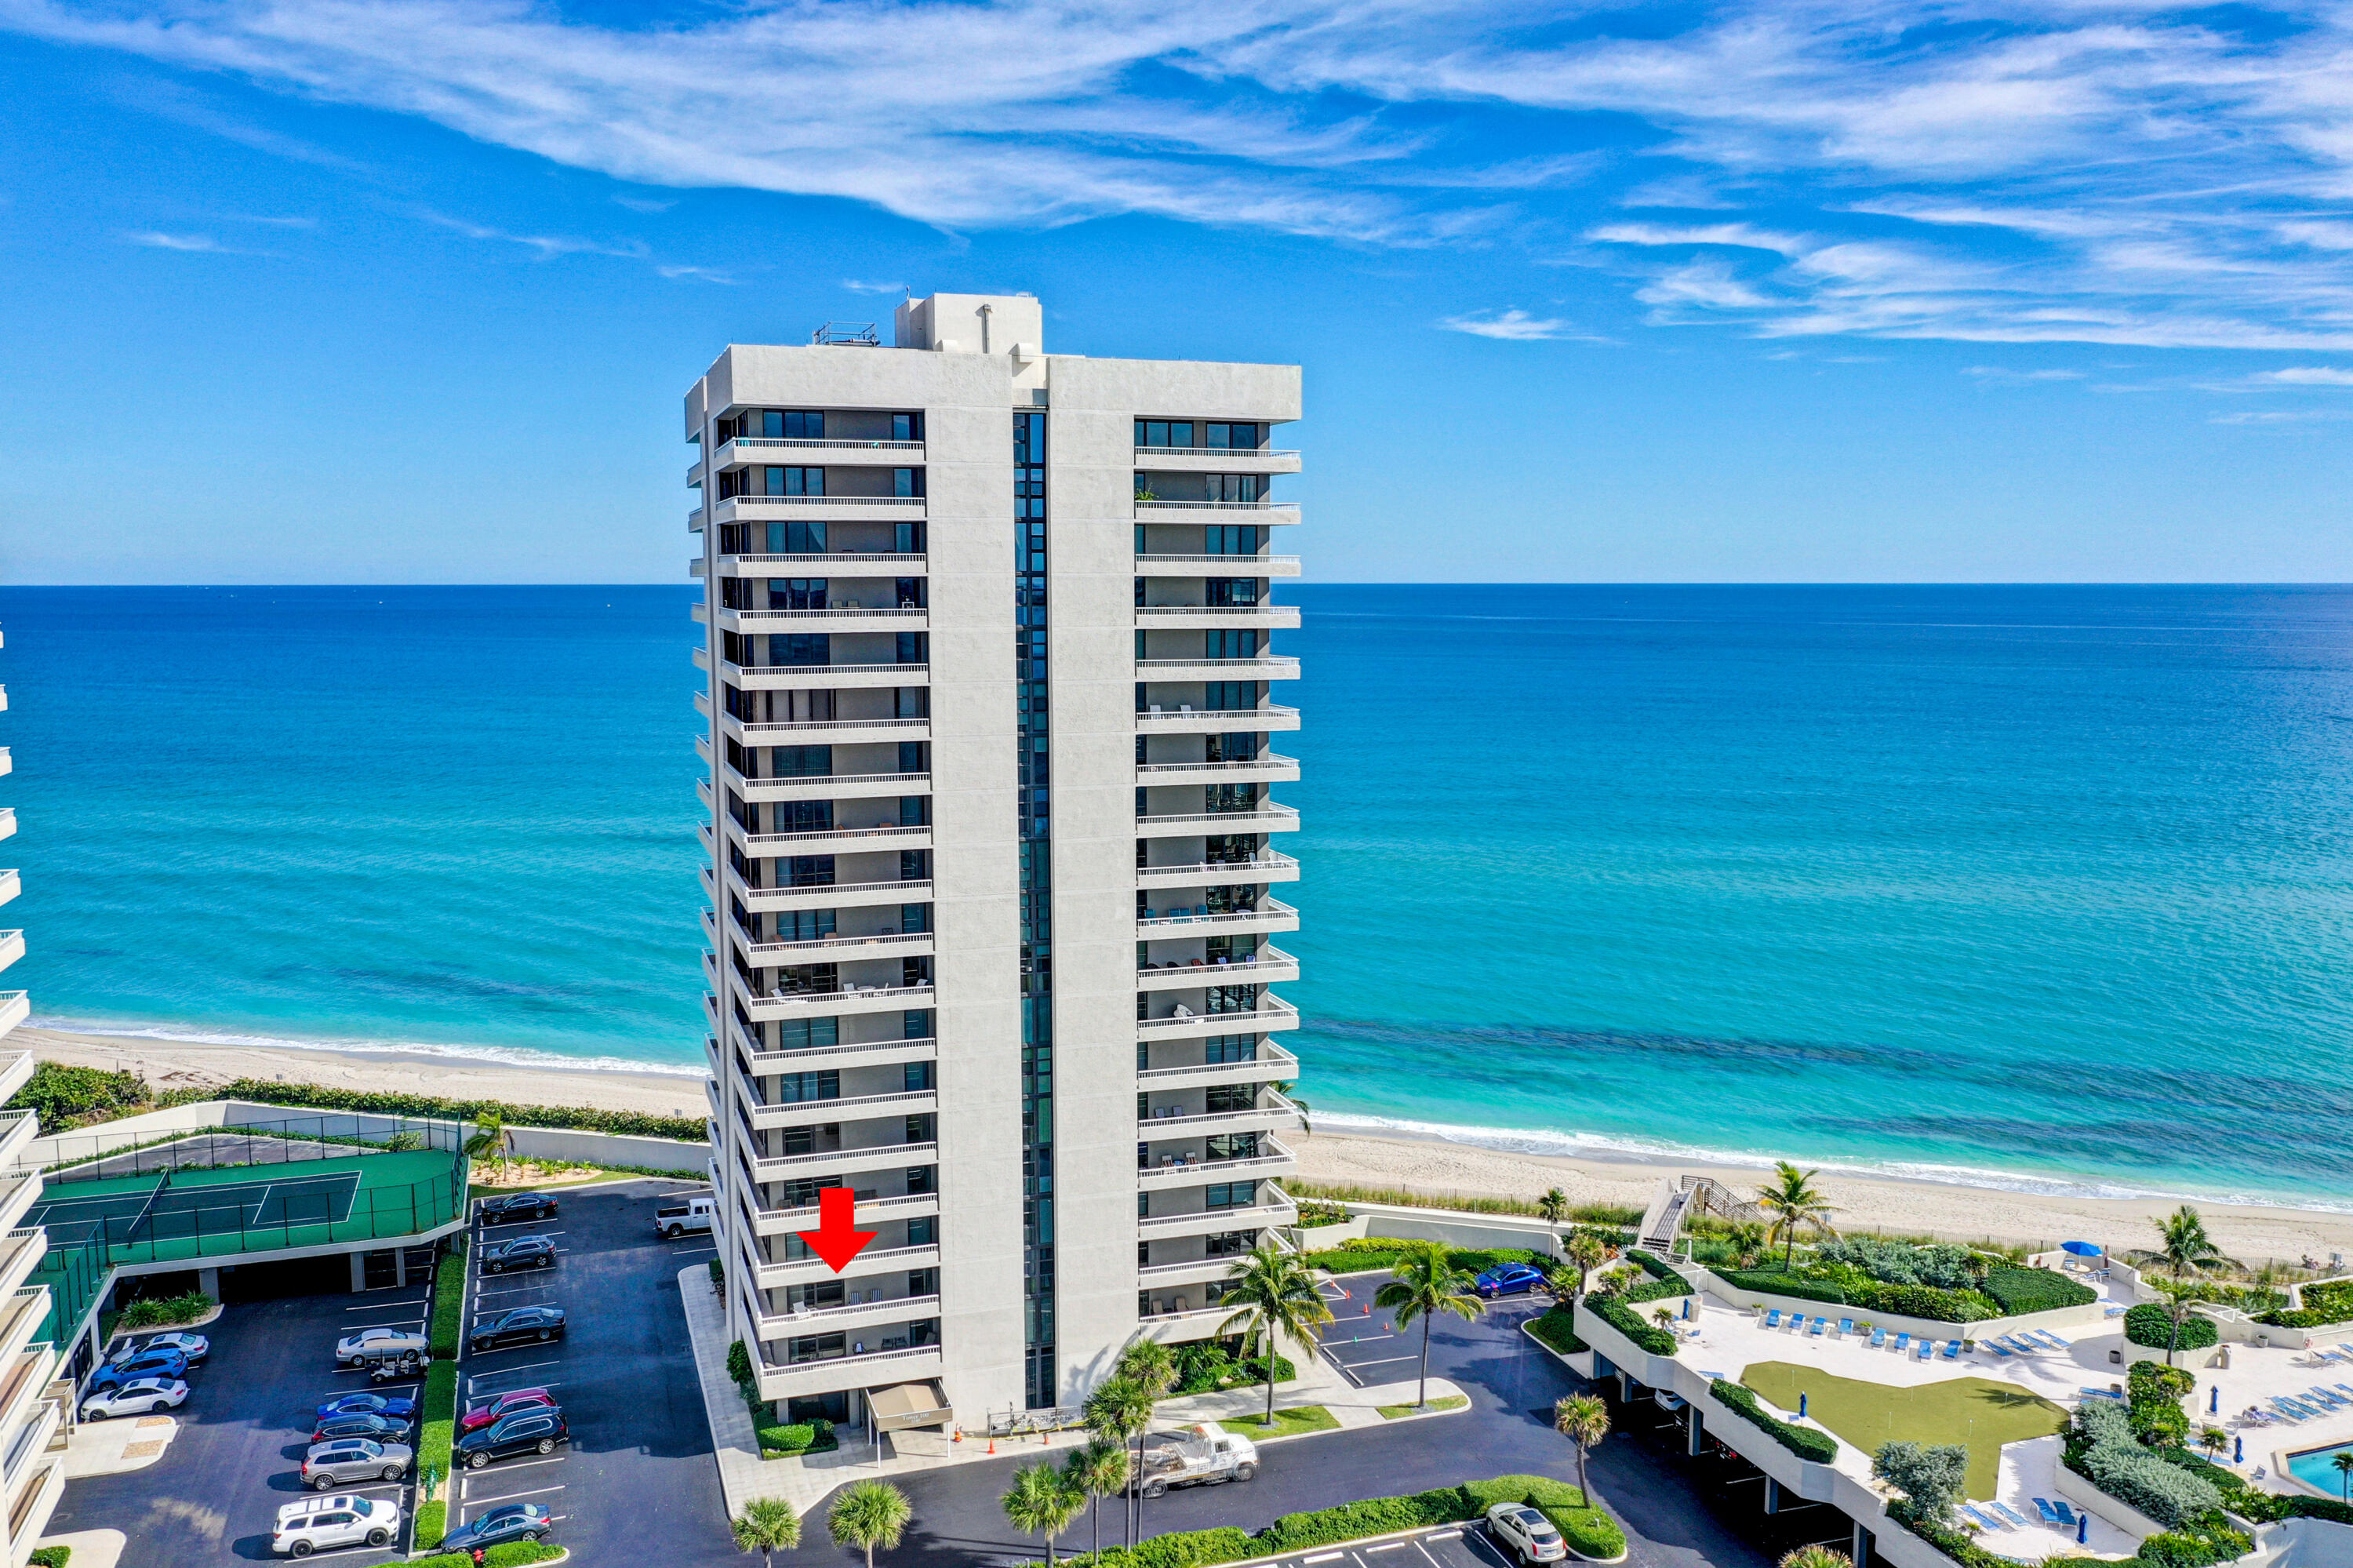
(2043, 887)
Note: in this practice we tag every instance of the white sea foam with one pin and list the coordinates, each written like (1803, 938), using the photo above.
(504, 1056)
(1653, 1151)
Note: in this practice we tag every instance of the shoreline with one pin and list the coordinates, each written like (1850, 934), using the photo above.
(1425, 1162)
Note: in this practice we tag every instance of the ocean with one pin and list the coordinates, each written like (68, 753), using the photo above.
(2035, 887)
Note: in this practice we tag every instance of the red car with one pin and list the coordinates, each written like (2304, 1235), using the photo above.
(505, 1405)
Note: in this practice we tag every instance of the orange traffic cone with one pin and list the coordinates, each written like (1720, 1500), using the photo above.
(992, 1445)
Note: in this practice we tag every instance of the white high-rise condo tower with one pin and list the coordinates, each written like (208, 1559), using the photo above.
(988, 633)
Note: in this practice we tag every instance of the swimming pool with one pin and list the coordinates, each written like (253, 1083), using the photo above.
(2316, 1468)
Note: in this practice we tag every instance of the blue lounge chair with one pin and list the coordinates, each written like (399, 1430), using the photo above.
(1997, 1347)
(2327, 1401)
(2023, 1346)
(2066, 1515)
(1878, 1338)
(1980, 1520)
(1922, 1349)
(2290, 1411)
(1773, 1318)
(2009, 1513)
(2050, 1515)
(1846, 1325)
(2346, 1348)
(2346, 1387)
(1903, 1343)
(1819, 1324)
(1952, 1351)
(2100, 1393)
(2055, 1339)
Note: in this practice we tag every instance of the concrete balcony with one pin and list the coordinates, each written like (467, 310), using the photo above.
(839, 949)
(852, 1000)
(843, 839)
(1268, 819)
(20, 1319)
(1157, 564)
(904, 1206)
(16, 1006)
(894, 1311)
(21, 1252)
(825, 787)
(1179, 719)
(847, 1161)
(7, 821)
(818, 508)
(818, 732)
(1271, 915)
(828, 454)
(1180, 1325)
(868, 1371)
(837, 617)
(1275, 1159)
(10, 885)
(6, 764)
(1273, 1063)
(1271, 1013)
(1194, 1272)
(846, 563)
(1260, 669)
(17, 1130)
(1217, 459)
(1272, 966)
(32, 1505)
(1277, 1210)
(12, 947)
(694, 521)
(818, 677)
(1207, 510)
(1267, 768)
(803, 1271)
(19, 1191)
(27, 1377)
(1184, 616)
(1262, 868)
(1271, 1112)
(832, 895)
(858, 1108)
(857, 1053)
(16, 1068)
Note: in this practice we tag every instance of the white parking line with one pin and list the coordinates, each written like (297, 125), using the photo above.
(1378, 1361)
(521, 1465)
(510, 1496)
(378, 1306)
(363, 1328)
(507, 1371)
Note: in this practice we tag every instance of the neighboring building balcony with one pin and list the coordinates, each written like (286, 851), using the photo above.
(33, 1503)
(1184, 1321)
(1271, 1112)
(893, 1310)
(1273, 1063)
(825, 1374)
(869, 1211)
(1194, 1272)
(10, 885)
(817, 677)
(19, 1191)
(770, 1060)
(1174, 1169)
(803, 1271)
(845, 618)
(1269, 1212)
(824, 786)
(887, 563)
(1271, 915)
(17, 1129)
(814, 732)
(1268, 965)
(746, 449)
(845, 1108)
(16, 1006)
(1217, 459)
(760, 508)
(21, 1316)
(853, 998)
(1269, 818)
(844, 1161)
(1158, 563)
(27, 1377)
(7, 821)
(830, 949)
(6, 765)
(694, 521)
(1264, 667)
(1160, 719)
(1167, 511)
(21, 1252)
(1271, 1013)
(1267, 768)
(1267, 865)
(12, 947)
(1186, 617)
(841, 840)
(831, 895)
(17, 1069)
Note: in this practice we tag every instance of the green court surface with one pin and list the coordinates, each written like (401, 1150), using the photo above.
(220, 1210)
(1977, 1411)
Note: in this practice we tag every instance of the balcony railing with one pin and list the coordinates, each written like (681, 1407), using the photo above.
(1264, 667)
(1158, 505)
(1266, 818)
(793, 726)
(889, 1154)
(1237, 566)
(1282, 1211)
(790, 1058)
(1271, 1059)
(892, 1207)
(911, 1357)
(1237, 718)
(796, 441)
(816, 1317)
(831, 614)
(903, 501)
(847, 993)
(758, 566)
(1263, 760)
(884, 942)
(761, 843)
(1272, 909)
(1157, 1127)
(1215, 451)
(816, 671)
(906, 783)
(1185, 1169)
(1272, 1012)
(1266, 865)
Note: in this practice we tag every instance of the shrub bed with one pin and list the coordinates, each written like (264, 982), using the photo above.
(1626, 1320)
(511, 1554)
(2102, 1446)
(449, 1297)
(2149, 1327)
(782, 1441)
(1773, 1282)
(1852, 1287)
(1664, 1283)
(67, 1097)
(1351, 1192)
(152, 1313)
(580, 1119)
(1803, 1441)
(1384, 1253)
(433, 1442)
(1557, 1329)
(2023, 1290)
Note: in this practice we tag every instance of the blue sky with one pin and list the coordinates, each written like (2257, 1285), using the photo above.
(407, 291)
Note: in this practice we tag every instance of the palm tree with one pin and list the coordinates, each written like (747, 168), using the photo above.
(1150, 1365)
(1747, 1241)
(1279, 1298)
(768, 1526)
(1583, 1420)
(869, 1514)
(1284, 1086)
(488, 1144)
(1554, 1207)
(1119, 1411)
(2342, 1463)
(2213, 1440)
(1042, 1501)
(1424, 1284)
(1098, 1470)
(1817, 1557)
(1794, 1203)
(2185, 1252)
(1586, 1251)
(1665, 1319)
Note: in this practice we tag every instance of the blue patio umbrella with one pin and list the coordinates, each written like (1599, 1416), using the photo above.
(2082, 1249)
(2214, 1399)
(2083, 1528)
(2239, 1451)
(1801, 1407)
(1687, 1309)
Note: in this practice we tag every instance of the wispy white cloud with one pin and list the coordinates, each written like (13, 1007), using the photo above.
(2000, 372)
(860, 286)
(1512, 326)
(544, 247)
(643, 204)
(2305, 375)
(696, 274)
(158, 240)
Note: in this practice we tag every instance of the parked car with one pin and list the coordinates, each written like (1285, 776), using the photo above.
(1523, 1534)
(517, 1325)
(515, 1521)
(348, 1461)
(523, 1252)
(195, 1347)
(526, 1432)
(368, 1404)
(506, 1405)
(674, 1220)
(140, 1396)
(1195, 1457)
(306, 1526)
(512, 1206)
(372, 1344)
(131, 1369)
(1508, 1279)
(376, 1428)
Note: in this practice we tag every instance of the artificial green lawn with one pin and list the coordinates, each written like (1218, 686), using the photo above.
(1288, 1422)
(1975, 1411)
(1399, 1411)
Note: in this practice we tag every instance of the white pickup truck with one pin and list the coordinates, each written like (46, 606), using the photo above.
(674, 1220)
(1195, 1457)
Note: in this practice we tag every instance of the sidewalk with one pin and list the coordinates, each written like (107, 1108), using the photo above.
(804, 1480)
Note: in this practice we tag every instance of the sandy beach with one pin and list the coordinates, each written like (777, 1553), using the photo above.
(1419, 1164)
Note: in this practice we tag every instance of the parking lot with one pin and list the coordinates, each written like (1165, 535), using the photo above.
(636, 1484)
(1456, 1546)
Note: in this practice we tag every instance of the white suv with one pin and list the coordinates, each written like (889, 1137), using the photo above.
(306, 1526)
(1524, 1534)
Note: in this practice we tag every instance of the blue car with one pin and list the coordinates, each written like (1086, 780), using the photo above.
(146, 1363)
(1508, 1279)
(368, 1404)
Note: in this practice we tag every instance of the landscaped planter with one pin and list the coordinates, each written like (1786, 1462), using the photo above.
(2089, 1315)
(2079, 1490)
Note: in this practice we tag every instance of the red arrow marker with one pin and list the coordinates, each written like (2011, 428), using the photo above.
(837, 1238)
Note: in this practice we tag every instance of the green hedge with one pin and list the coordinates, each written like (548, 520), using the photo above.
(1656, 1290)
(1557, 1328)
(2022, 1290)
(1629, 1322)
(1656, 1267)
(62, 1095)
(49, 1557)
(1362, 1257)
(1803, 1441)
(582, 1118)
(154, 1312)
(441, 1429)
(2149, 1327)
(1586, 1528)
(1860, 1291)
(781, 1441)
(449, 1299)
(513, 1555)
(2325, 1302)
(1773, 1282)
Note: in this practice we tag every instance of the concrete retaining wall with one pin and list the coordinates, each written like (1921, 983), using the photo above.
(2101, 1506)
(2306, 1544)
(1456, 1227)
(2090, 1315)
